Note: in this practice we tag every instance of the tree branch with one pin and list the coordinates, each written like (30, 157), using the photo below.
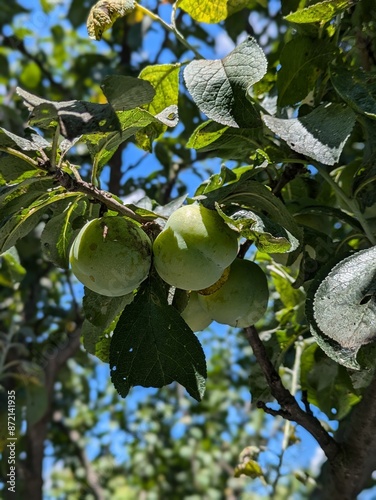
(90, 474)
(36, 434)
(290, 409)
(71, 184)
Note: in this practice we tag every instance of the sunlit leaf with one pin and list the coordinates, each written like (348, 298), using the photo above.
(11, 269)
(74, 117)
(225, 142)
(250, 468)
(320, 12)
(251, 195)
(58, 233)
(269, 236)
(220, 87)
(213, 11)
(321, 134)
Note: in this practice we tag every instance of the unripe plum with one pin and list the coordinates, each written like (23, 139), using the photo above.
(242, 299)
(194, 248)
(111, 256)
(194, 315)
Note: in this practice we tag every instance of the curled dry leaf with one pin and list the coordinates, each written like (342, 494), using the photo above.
(103, 15)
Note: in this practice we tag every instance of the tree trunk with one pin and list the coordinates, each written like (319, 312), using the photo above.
(349, 474)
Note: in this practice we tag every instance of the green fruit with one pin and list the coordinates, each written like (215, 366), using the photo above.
(242, 299)
(194, 248)
(194, 315)
(111, 256)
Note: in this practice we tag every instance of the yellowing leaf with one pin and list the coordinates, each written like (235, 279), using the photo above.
(250, 469)
(213, 11)
(103, 15)
(135, 17)
(321, 12)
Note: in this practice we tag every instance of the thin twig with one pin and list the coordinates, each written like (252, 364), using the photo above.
(170, 28)
(290, 409)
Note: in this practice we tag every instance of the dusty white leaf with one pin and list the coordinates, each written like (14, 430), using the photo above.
(344, 306)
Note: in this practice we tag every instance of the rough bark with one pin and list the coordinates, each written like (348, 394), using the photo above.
(349, 475)
(290, 408)
(31, 470)
(351, 454)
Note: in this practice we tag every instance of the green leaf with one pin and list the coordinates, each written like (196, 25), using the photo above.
(357, 88)
(269, 237)
(48, 5)
(11, 270)
(341, 308)
(225, 142)
(338, 214)
(321, 134)
(165, 80)
(214, 11)
(303, 60)
(58, 233)
(101, 310)
(97, 340)
(220, 87)
(321, 12)
(126, 92)
(74, 117)
(290, 296)
(152, 346)
(101, 317)
(31, 75)
(24, 220)
(103, 145)
(18, 196)
(252, 195)
(327, 384)
(215, 181)
(14, 170)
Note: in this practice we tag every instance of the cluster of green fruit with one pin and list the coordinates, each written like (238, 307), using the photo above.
(196, 251)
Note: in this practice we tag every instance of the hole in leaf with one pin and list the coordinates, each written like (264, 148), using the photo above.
(366, 299)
